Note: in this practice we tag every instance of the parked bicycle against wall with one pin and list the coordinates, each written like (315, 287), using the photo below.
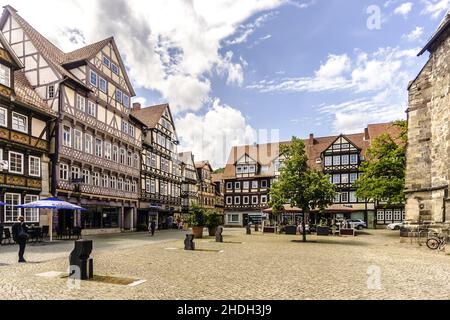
(437, 242)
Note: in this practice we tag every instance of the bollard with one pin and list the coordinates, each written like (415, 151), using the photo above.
(189, 243)
(79, 259)
(219, 237)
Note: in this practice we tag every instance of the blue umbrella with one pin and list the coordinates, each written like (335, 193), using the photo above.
(53, 204)
(2, 204)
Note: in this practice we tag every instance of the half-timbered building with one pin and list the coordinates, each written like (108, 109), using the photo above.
(96, 162)
(26, 122)
(206, 187)
(251, 170)
(160, 171)
(190, 181)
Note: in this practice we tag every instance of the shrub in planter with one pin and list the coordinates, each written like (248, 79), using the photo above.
(197, 220)
(213, 220)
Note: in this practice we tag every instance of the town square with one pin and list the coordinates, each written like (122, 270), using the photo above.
(191, 150)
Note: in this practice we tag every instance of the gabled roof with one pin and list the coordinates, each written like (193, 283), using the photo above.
(186, 157)
(58, 59)
(445, 23)
(5, 44)
(52, 54)
(202, 164)
(26, 94)
(150, 116)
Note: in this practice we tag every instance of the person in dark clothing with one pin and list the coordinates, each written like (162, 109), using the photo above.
(152, 227)
(20, 236)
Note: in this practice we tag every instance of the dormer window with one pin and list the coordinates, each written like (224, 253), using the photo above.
(5, 75)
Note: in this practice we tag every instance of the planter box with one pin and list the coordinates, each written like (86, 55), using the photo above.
(323, 231)
(291, 230)
(198, 232)
(347, 232)
(270, 230)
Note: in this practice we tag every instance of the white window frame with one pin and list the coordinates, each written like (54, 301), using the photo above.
(344, 197)
(108, 150)
(88, 143)
(12, 208)
(246, 200)
(31, 215)
(21, 162)
(229, 201)
(6, 81)
(92, 108)
(98, 148)
(38, 174)
(237, 186)
(231, 218)
(237, 200)
(229, 185)
(255, 200)
(100, 82)
(5, 112)
(86, 177)
(91, 74)
(264, 199)
(78, 145)
(354, 159)
(51, 91)
(113, 67)
(17, 115)
(67, 143)
(264, 184)
(106, 59)
(255, 184)
(246, 185)
(63, 172)
(81, 103)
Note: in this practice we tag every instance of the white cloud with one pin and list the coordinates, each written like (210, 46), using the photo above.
(404, 9)
(211, 136)
(414, 35)
(246, 30)
(435, 8)
(172, 47)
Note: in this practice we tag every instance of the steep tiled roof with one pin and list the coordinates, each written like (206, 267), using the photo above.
(26, 94)
(440, 30)
(150, 116)
(87, 52)
(54, 56)
(217, 177)
(266, 154)
(201, 164)
(185, 157)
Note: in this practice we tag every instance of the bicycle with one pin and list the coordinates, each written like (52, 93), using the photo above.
(437, 242)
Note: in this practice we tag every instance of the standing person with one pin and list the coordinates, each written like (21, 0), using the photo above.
(178, 223)
(153, 227)
(20, 236)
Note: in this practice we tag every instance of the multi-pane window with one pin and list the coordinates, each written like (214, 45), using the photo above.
(108, 154)
(120, 184)
(102, 85)
(96, 179)
(352, 197)
(380, 215)
(134, 187)
(51, 92)
(3, 117)
(229, 185)
(88, 143)
(336, 178)
(229, 201)
(237, 185)
(92, 109)
(78, 140)
(67, 136)
(86, 177)
(81, 103)
(114, 68)
(98, 147)
(337, 160)
(31, 215)
(328, 161)
(5, 75)
(125, 127)
(106, 61)
(115, 153)
(122, 156)
(105, 181)
(136, 161)
(233, 218)
(34, 166)
(255, 199)
(63, 172)
(263, 184)
(113, 182)
(353, 177)
(119, 96)
(254, 184)
(15, 162)
(129, 159)
(237, 200)
(19, 122)
(354, 159)
(126, 101)
(11, 212)
(131, 130)
(246, 200)
(344, 178)
(345, 159)
(163, 188)
(93, 78)
(246, 185)
(76, 173)
(127, 185)
(337, 198)
(164, 165)
(344, 197)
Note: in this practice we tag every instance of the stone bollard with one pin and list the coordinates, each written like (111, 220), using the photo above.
(249, 229)
(219, 237)
(189, 243)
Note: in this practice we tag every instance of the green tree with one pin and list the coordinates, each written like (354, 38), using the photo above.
(299, 185)
(385, 168)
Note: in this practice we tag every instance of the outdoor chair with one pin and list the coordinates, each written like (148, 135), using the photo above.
(76, 232)
(7, 236)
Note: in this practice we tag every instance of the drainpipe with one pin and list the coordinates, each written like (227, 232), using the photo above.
(54, 156)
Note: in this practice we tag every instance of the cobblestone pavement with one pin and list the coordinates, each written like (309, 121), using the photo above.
(262, 267)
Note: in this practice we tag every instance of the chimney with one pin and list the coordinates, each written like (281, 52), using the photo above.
(136, 106)
(311, 139)
(366, 134)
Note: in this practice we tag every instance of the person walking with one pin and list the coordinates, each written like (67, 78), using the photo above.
(20, 236)
(152, 227)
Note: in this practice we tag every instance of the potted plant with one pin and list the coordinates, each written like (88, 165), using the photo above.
(213, 220)
(197, 221)
(323, 229)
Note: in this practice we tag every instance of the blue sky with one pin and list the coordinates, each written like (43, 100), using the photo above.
(232, 68)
